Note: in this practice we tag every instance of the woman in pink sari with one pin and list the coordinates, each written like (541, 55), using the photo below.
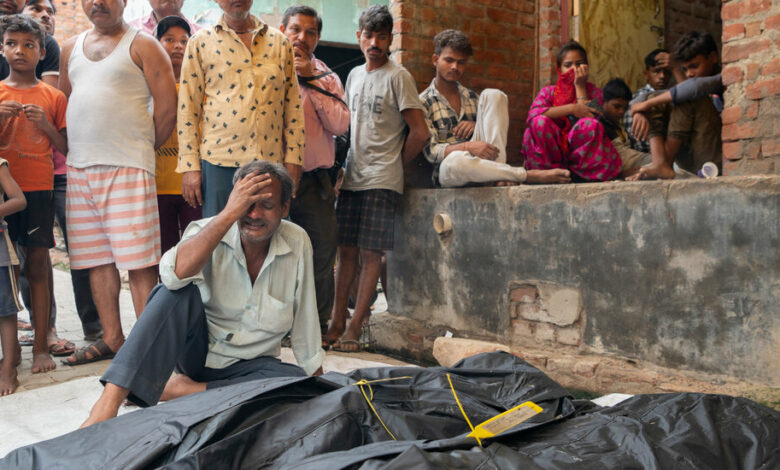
(562, 130)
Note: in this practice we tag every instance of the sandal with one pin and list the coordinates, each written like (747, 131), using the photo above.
(62, 347)
(99, 351)
(26, 340)
(339, 346)
(23, 325)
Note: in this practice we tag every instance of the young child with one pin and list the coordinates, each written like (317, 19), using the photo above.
(173, 32)
(9, 297)
(32, 119)
(693, 134)
(562, 130)
(658, 75)
(617, 95)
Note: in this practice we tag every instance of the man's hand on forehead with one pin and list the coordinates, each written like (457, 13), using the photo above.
(250, 189)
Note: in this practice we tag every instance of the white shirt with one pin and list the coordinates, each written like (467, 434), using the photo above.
(247, 320)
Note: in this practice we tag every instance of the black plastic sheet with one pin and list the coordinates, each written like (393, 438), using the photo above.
(326, 422)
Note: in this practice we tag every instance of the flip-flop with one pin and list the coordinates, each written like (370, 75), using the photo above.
(99, 351)
(23, 325)
(26, 340)
(62, 347)
(339, 346)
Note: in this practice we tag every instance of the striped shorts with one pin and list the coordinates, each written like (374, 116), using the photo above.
(112, 217)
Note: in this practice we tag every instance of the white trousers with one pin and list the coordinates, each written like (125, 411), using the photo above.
(460, 168)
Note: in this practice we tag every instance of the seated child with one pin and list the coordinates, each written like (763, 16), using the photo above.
(658, 75)
(563, 131)
(32, 119)
(173, 32)
(616, 98)
(691, 111)
(11, 201)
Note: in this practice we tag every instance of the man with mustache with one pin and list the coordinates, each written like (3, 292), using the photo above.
(122, 106)
(239, 101)
(160, 10)
(47, 69)
(234, 286)
(326, 115)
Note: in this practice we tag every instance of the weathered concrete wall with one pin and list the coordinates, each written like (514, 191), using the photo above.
(681, 274)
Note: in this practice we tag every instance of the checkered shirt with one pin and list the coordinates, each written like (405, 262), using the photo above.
(441, 119)
(642, 146)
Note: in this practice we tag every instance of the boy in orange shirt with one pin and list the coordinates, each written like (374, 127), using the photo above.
(32, 119)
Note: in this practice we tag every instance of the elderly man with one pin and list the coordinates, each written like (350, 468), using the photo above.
(326, 115)
(239, 101)
(161, 9)
(234, 286)
(121, 107)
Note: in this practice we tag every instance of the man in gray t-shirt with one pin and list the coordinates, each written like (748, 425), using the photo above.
(383, 101)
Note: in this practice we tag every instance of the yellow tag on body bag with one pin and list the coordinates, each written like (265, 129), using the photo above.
(506, 420)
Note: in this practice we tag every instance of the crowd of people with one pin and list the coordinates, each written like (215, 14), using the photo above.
(232, 177)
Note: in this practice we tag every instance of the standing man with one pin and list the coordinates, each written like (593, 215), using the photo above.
(326, 115)
(387, 130)
(122, 106)
(47, 69)
(469, 131)
(161, 9)
(239, 101)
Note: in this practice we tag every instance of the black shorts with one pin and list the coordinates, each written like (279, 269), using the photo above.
(34, 226)
(367, 218)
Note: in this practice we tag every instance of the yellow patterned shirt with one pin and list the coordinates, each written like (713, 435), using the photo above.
(236, 104)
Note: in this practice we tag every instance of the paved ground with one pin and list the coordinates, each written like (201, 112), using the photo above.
(51, 404)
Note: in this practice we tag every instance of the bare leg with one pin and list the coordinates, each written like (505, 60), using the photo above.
(661, 168)
(11, 355)
(107, 405)
(142, 281)
(554, 176)
(180, 385)
(105, 291)
(345, 272)
(38, 270)
(369, 275)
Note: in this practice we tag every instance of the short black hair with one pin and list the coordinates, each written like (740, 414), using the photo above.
(693, 44)
(455, 40)
(35, 2)
(302, 10)
(376, 19)
(169, 22)
(265, 167)
(650, 61)
(22, 24)
(616, 88)
(572, 45)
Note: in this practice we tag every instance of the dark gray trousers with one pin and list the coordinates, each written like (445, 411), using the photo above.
(172, 332)
(314, 210)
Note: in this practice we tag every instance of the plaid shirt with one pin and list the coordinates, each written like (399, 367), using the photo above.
(441, 119)
(642, 146)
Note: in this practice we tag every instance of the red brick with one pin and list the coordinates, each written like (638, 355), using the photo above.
(735, 10)
(772, 22)
(402, 26)
(751, 150)
(732, 74)
(733, 31)
(731, 114)
(772, 68)
(734, 52)
(753, 29)
(751, 7)
(471, 11)
(732, 150)
(763, 88)
(502, 72)
(770, 147)
(752, 71)
(752, 110)
(428, 14)
(732, 132)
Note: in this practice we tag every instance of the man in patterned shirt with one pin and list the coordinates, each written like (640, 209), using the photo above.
(239, 101)
(469, 131)
(658, 73)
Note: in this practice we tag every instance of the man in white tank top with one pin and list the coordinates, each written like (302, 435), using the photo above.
(122, 105)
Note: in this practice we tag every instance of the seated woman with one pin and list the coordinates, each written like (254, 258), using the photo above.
(562, 130)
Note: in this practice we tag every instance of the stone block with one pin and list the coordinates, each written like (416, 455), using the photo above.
(571, 336)
(586, 367)
(562, 304)
(544, 332)
(522, 329)
(448, 351)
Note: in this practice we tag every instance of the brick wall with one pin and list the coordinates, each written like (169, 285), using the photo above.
(751, 118)
(683, 16)
(71, 20)
(502, 33)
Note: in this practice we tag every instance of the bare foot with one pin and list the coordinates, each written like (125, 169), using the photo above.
(8, 381)
(553, 176)
(42, 363)
(651, 172)
(506, 183)
(180, 385)
(107, 405)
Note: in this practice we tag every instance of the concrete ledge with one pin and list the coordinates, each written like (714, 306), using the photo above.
(680, 274)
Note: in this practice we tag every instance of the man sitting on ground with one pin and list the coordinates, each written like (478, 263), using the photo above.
(234, 286)
(469, 132)
(658, 74)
